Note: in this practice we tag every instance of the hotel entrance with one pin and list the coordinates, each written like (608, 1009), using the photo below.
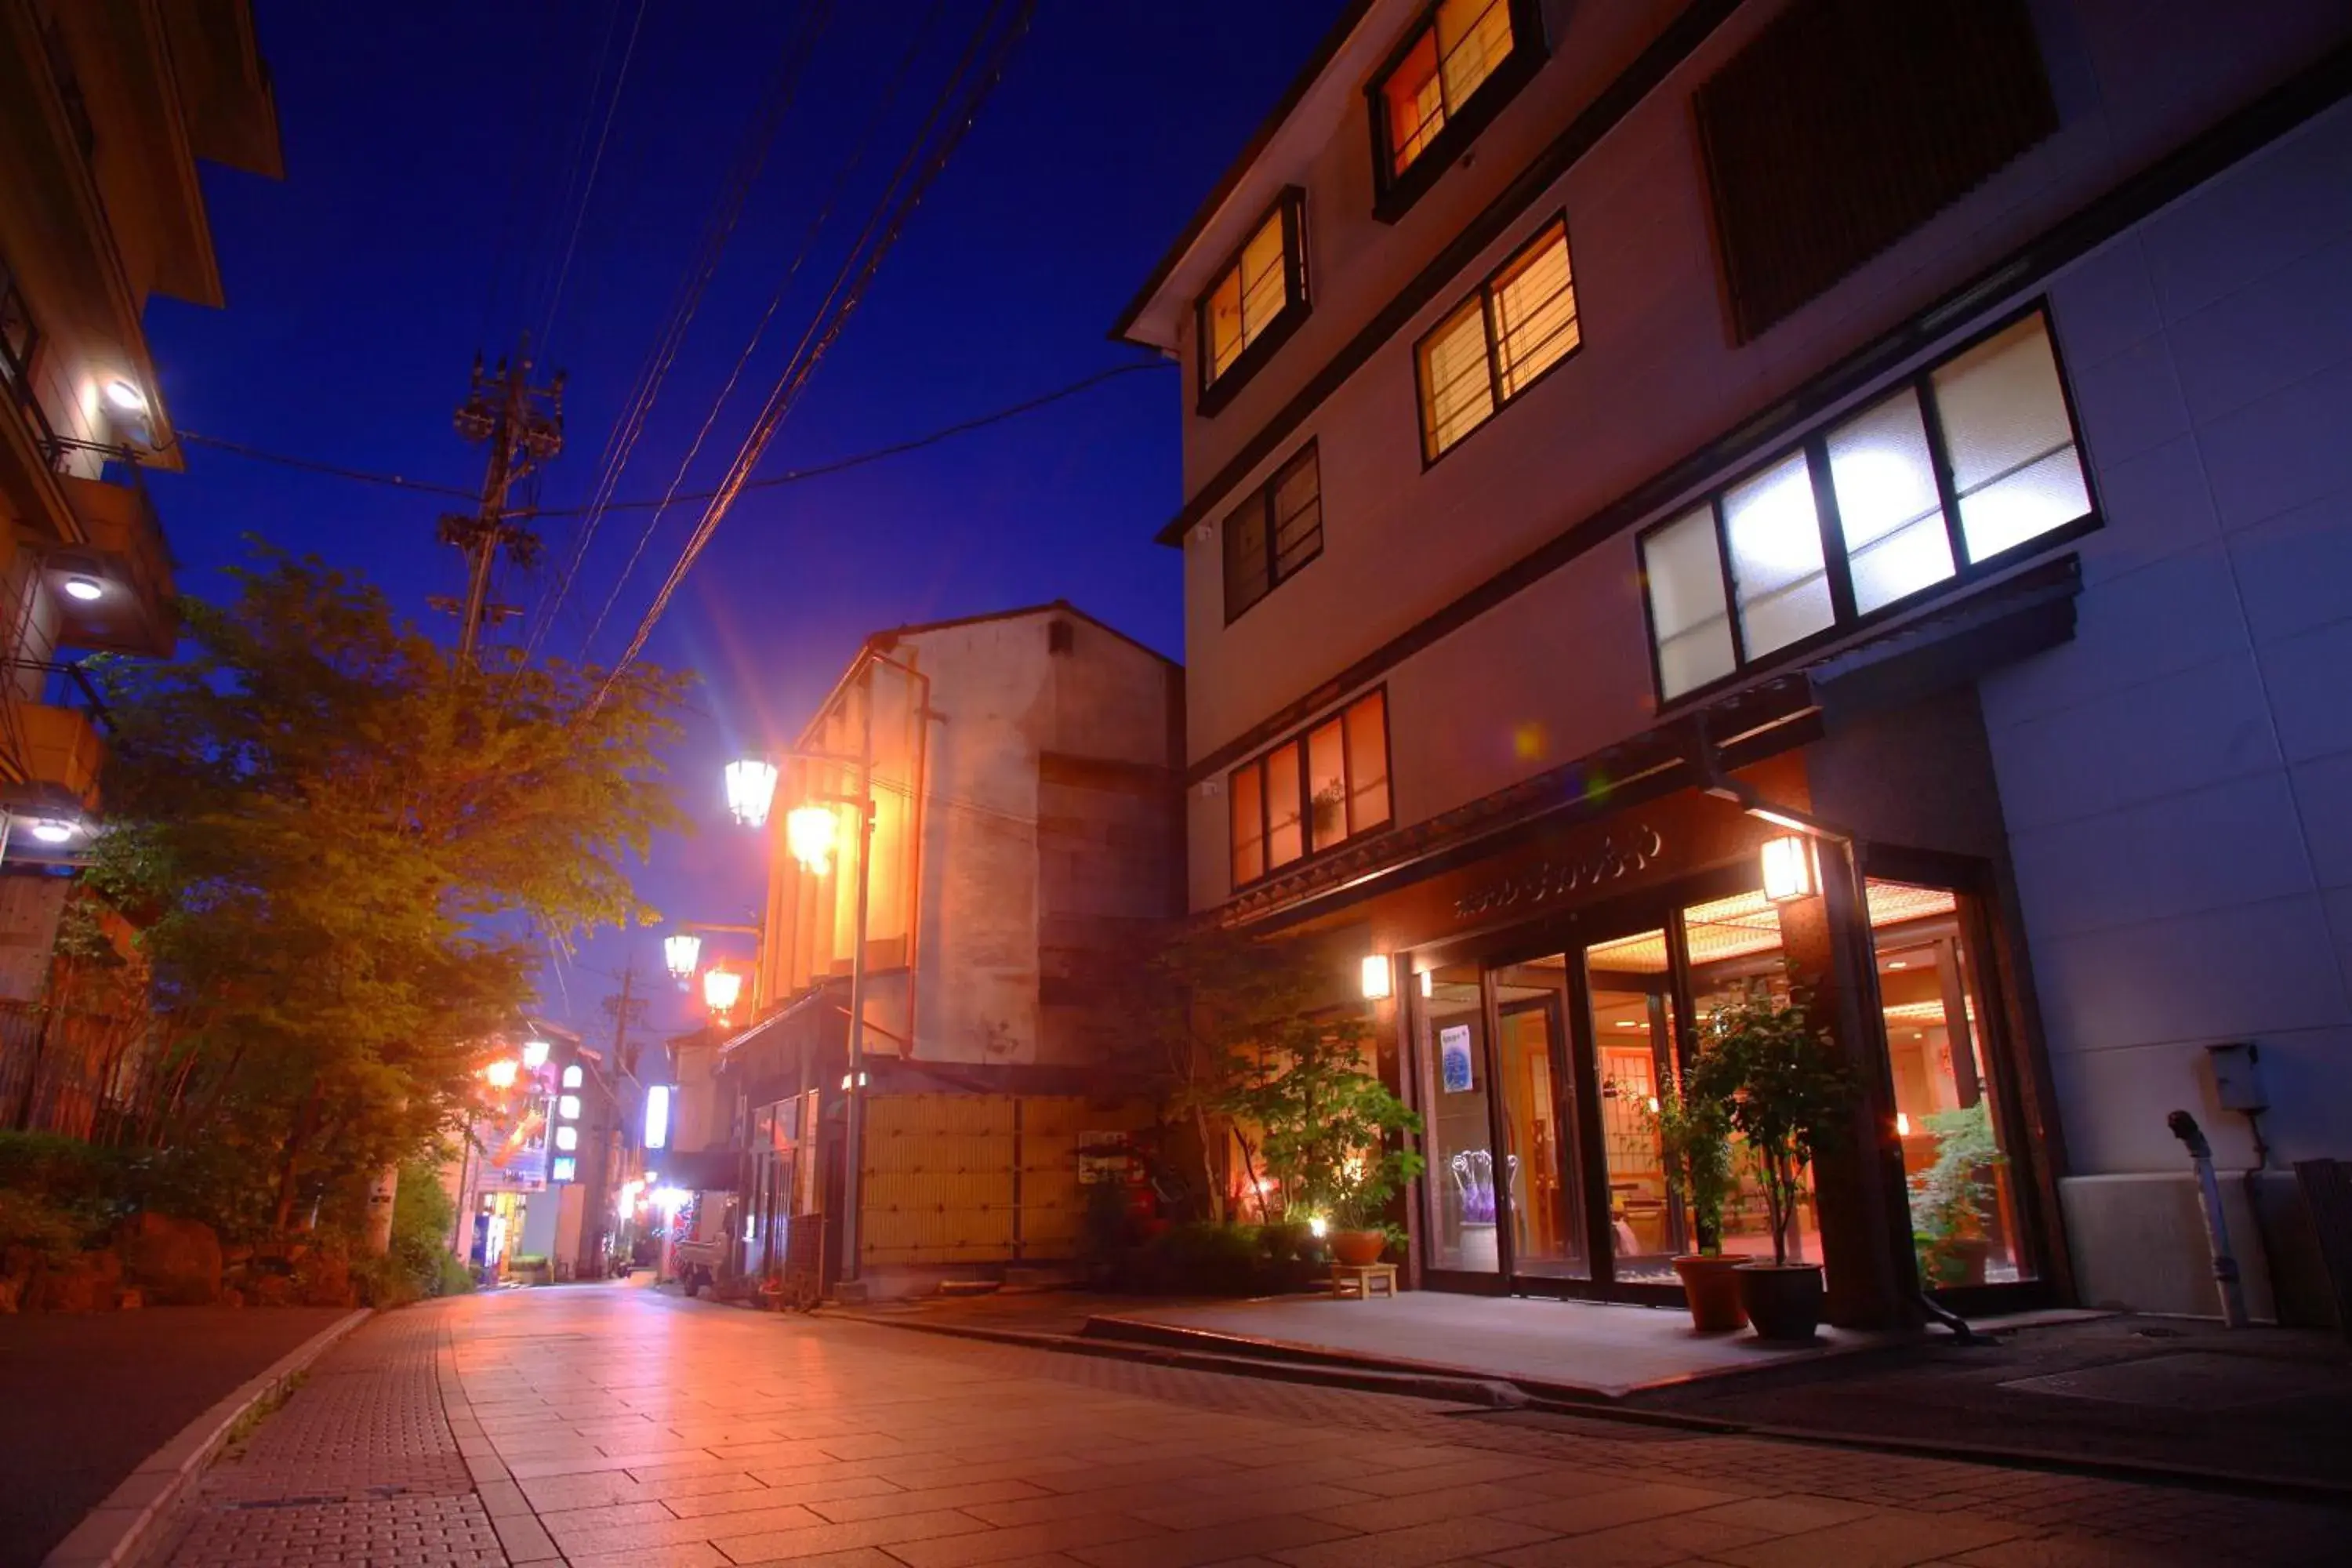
(1538, 1054)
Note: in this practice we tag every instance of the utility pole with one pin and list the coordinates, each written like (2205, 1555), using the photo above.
(523, 424)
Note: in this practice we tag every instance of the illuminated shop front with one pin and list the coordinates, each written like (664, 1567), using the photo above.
(1543, 995)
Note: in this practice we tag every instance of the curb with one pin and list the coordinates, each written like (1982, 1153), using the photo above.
(112, 1534)
(1492, 1394)
(1509, 1394)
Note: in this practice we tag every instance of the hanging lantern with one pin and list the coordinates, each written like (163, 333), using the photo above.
(750, 790)
(809, 833)
(722, 989)
(1788, 867)
(682, 951)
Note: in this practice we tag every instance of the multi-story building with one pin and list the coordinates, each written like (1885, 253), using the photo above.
(1605, 424)
(1016, 777)
(105, 108)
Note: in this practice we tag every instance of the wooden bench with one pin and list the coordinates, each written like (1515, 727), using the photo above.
(1349, 1282)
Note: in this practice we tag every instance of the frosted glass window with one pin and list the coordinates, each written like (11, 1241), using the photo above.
(1685, 574)
(1457, 389)
(1368, 762)
(1535, 312)
(567, 1137)
(1284, 841)
(1889, 514)
(1248, 296)
(1776, 557)
(1327, 785)
(2014, 464)
(1249, 826)
(572, 1075)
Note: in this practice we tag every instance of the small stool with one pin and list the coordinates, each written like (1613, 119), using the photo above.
(1355, 1283)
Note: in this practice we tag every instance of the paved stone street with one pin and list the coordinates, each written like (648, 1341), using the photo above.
(610, 1424)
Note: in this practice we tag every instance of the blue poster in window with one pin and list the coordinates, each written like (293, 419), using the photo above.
(1454, 1058)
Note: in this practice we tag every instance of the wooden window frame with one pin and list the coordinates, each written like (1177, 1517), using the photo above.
(1264, 498)
(1394, 193)
(1484, 296)
(1297, 743)
(1845, 621)
(1217, 391)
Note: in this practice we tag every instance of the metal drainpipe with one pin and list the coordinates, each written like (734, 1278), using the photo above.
(2217, 1227)
(854, 1112)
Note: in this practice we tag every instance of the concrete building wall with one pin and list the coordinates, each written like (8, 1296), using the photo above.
(1657, 374)
(2178, 780)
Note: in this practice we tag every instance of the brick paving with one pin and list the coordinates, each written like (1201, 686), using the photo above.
(608, 1425)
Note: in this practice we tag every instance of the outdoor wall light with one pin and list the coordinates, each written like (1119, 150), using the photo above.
(809, 833)
(1788, 872)
(1376, 976)
(681, 951)
(53, 830)
(750, 790)
(126, 396)
(85, 588)
(722, 989)
(657, 1116)
(1428, 983)
(534, 1055)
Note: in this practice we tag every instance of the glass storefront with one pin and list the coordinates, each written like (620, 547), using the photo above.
(1538, 1075)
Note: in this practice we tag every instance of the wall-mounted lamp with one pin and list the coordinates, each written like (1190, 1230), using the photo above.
(126, 396)
(722, 989)
(1789, 869)
(1376, 976)
(809, 832)
(86, 589)
(1428, 983)
(750, 790)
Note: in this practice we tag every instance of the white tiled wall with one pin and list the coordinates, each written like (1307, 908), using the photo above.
(2178, 780)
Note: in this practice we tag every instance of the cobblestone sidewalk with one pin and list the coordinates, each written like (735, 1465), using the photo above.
(359, 1468)
(601, 1426)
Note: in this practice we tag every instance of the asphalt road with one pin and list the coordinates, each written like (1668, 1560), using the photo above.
(84, 1398)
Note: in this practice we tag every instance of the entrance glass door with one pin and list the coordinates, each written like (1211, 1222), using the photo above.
(1539, 1106)
(1630, 983)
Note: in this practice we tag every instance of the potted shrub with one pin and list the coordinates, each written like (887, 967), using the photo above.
(1949, 1198)
(1329, 1133)
(1788, 1096)
(1694, 1144)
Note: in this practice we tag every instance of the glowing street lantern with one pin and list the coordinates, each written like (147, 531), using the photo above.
(809, 833)
(750, 790)
(501, 1073)
(682, 951)
(534, 1055)
(1376, 976)
(722, 989)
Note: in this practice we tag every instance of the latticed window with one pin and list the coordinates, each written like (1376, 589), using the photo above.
(1499, 342)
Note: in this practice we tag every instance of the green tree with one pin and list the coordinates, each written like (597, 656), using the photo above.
(344, 853)
(1787, 1090)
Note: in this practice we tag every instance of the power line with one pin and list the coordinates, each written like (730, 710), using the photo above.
(898, 202)
(588, 189)
(790, 477)
(775, 102)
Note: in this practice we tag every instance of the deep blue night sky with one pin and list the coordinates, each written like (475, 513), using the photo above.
(362, 286)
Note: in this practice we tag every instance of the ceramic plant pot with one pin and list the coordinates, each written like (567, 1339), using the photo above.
(1358, 1248)
(1783, 1301)
(1711, 1286)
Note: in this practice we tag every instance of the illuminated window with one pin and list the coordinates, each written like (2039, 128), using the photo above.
(1275, 531)
(1263, 285)
(1313, 792)
(568, 1107)
(567, 1138)
(572, 1075)
(1944, 477)
(1449, 56)
(565, 1170)
(1499, 342)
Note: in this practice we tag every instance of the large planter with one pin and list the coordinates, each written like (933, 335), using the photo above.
(1711, 1287)
(1963, 1261)
(1782, 1299)
(1358, 1248)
